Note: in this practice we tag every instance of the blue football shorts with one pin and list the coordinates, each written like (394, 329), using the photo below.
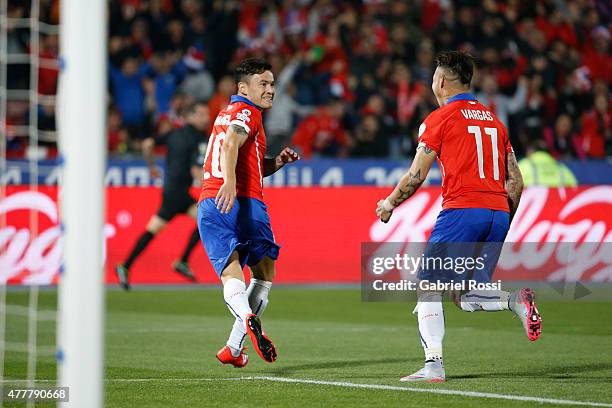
(245, 229)
(468, 241)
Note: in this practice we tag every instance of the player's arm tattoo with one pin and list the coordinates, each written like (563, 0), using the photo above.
(416, 175)
(240, 131)
(425, 148)
(514, 183)
(409, 187)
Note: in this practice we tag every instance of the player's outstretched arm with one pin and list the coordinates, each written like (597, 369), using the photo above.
(514, 183)
(409, 184)
(272, 165)
(234, 139)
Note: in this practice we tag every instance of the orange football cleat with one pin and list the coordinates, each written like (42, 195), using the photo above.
(225, 357)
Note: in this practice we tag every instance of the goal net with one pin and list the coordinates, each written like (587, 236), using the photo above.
(52, 93)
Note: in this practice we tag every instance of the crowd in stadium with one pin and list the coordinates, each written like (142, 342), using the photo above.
(352, 77)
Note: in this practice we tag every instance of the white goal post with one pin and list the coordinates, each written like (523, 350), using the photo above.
(82, 125)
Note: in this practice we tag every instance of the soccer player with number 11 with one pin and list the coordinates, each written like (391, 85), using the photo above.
(481, 189)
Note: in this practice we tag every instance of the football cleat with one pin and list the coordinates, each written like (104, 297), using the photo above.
(431, 372)
(525, 309)
(263, 345)
(182, 268)
(225, 357)
(122, 274)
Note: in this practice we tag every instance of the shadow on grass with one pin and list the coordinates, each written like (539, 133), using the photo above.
(290, 369)
(556, 372)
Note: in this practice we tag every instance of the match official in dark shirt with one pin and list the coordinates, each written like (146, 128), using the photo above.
(183, 165)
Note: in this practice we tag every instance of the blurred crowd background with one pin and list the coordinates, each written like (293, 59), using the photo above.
(352, 77)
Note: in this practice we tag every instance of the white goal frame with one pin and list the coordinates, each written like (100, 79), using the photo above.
(82, 127)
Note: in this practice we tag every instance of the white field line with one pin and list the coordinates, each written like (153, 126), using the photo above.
(472, 394)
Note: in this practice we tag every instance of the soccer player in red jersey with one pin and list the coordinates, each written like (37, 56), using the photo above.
(481, 189)
(232, 217)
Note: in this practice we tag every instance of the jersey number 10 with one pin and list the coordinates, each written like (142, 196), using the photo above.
(475, 130)
(215, 164)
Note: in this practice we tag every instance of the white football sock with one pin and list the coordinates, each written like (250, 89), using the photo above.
(485, 300)
(431, 325)
(258, 295)
(234, 293)
(236, 338)
(258, 300)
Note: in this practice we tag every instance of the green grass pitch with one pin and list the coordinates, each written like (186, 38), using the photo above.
(161, 345)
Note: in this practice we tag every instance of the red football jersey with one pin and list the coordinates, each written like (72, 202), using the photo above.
(249, 167)
(471, 144)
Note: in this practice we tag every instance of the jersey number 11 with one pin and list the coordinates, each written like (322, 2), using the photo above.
(475, 130)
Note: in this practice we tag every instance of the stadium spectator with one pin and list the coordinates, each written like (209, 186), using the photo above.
(177, 39)
(408, 94)
(128, 93)
(423, 68)
(502, 105)
(139, 38)
(49, 67)
(596, 135)
(279, 121)
(199, 83)
(532, 114)
(378, 106)
(46, 116)
(221, 98)
(17, 42)
(597, 57)
(562, 141)
(117, 136)
(172, 119)
(349, 50)
(167, 74)
(321, 134)
(370, 140)
(222, 26)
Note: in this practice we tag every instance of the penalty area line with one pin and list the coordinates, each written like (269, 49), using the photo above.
(473, 394)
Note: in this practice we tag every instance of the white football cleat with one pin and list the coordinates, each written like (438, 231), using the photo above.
(431, 372)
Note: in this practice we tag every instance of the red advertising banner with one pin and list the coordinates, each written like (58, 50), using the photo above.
(320, 230)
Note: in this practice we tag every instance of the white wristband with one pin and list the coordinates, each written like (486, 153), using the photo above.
(387, 206)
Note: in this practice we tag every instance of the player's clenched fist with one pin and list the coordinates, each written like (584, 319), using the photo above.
(287, 155)
(226, 197)
(384, 210)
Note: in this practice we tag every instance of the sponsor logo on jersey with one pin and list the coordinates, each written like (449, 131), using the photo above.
(244, 115)
(223, 120)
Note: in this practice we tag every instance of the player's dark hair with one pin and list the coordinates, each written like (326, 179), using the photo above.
(458, 63)
(251, 66)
